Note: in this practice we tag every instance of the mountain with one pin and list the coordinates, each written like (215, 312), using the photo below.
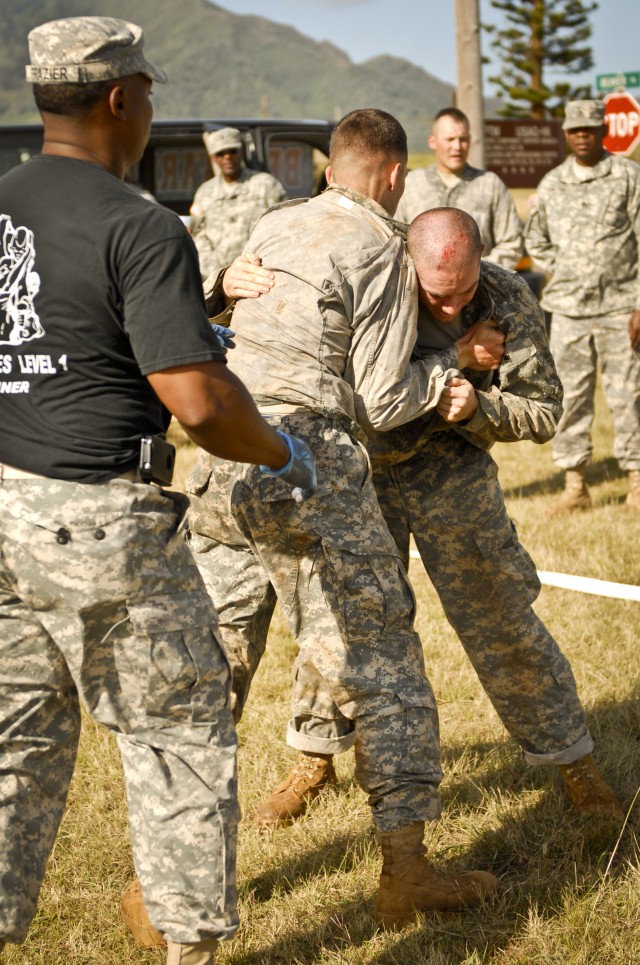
(223, 64)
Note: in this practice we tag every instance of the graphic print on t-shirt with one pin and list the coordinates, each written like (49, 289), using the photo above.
(19, 284)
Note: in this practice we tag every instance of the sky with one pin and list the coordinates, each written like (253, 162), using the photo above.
(422, 31)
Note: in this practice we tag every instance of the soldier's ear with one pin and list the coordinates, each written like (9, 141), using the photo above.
(328, 174)
(393, 175)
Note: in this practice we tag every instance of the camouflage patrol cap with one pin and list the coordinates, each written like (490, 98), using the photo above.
(82, 50)
(227, 138)
(583, 114)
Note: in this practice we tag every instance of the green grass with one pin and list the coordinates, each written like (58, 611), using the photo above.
(569, 893)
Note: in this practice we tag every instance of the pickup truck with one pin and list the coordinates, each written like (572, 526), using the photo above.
(175, 162)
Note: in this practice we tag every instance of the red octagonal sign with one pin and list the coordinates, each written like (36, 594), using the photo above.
(622, 116)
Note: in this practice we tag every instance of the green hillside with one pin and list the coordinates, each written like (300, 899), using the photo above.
(223, 65)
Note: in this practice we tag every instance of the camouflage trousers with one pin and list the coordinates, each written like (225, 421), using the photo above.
(100, 600)
(448, 497)
(336, 572)
(579, 346)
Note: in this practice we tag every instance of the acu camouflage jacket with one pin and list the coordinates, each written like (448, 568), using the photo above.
(522, 399)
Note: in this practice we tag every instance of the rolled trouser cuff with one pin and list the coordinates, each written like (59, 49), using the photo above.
(566, 756)
(200, 953)
(319, 745)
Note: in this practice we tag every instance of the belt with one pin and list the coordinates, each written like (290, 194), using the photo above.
(12, 472)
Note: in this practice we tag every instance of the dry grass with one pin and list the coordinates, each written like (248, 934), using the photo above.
(569, 894)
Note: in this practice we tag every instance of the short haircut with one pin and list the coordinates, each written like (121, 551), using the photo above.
(368, 132)
(453, 112)
(433, 231)
(70, 100)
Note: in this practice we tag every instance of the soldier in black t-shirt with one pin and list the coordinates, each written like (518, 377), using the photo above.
(104, 334)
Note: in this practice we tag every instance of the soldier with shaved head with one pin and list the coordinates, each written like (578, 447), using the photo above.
(436, 481)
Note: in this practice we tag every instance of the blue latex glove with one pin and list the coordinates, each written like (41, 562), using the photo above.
(224, 334)
(300, 470)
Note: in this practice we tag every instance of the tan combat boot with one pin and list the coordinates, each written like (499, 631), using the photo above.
(134, 914)
(290, 800)
(575, 494)
(588, 791)
(408, 883)
(201, 953)
(633, 496)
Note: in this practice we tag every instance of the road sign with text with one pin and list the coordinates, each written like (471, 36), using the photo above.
(609, 82)
(521, 152)
(622, 117)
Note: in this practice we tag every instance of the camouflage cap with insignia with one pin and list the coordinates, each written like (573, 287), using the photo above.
(227, 138)
(82, 50)
(583, 114)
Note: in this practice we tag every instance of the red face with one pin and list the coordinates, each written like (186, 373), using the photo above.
(445, 291)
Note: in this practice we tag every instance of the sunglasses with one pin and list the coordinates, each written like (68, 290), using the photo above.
(229, 150)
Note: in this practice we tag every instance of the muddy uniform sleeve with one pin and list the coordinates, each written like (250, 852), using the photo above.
(524, 397)
(390, 387)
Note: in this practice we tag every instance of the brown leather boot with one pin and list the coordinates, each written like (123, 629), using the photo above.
(409, 883)
(200, 953)
(588, 791)
(134, 914)
(290, 800)
(633, 496)
(575, 495)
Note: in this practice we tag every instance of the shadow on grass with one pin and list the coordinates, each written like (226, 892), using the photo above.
(600, 471)
(532, 841)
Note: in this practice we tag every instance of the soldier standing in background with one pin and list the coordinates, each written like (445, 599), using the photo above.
(100, 599)
(451, 182)
(226, 207)
(584, 230)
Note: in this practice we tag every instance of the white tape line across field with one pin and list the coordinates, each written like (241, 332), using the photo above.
(582, 584)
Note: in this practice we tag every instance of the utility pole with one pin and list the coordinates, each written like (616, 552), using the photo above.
(469, 74)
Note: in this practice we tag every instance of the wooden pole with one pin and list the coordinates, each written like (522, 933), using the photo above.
(469, 74)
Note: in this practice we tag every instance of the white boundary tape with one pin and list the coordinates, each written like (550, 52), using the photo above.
(582, 584)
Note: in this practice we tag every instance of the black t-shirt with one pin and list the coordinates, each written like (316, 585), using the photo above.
(98, 288)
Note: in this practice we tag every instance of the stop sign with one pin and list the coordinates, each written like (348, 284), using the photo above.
(622, 115)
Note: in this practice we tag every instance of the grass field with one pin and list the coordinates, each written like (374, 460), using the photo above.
(569, 893)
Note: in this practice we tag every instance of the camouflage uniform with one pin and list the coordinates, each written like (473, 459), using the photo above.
(223, 215)
(482, 195)
(325, 351)
(100, 600)
(584, 231)
(98, 593)
(440, 484)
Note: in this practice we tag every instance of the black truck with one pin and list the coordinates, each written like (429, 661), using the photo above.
(175, 162)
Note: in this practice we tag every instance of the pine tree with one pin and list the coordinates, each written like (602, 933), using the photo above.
(541, 35)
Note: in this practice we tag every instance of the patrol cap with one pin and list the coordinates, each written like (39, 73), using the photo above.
(227, 138)
(82, 50)
(583, 114)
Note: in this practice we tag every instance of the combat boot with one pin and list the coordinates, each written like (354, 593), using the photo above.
(134, 914)
(575, 494)
(290, 800)
(201, 953)
(633, 496)
(409, 883)
(588, 791)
